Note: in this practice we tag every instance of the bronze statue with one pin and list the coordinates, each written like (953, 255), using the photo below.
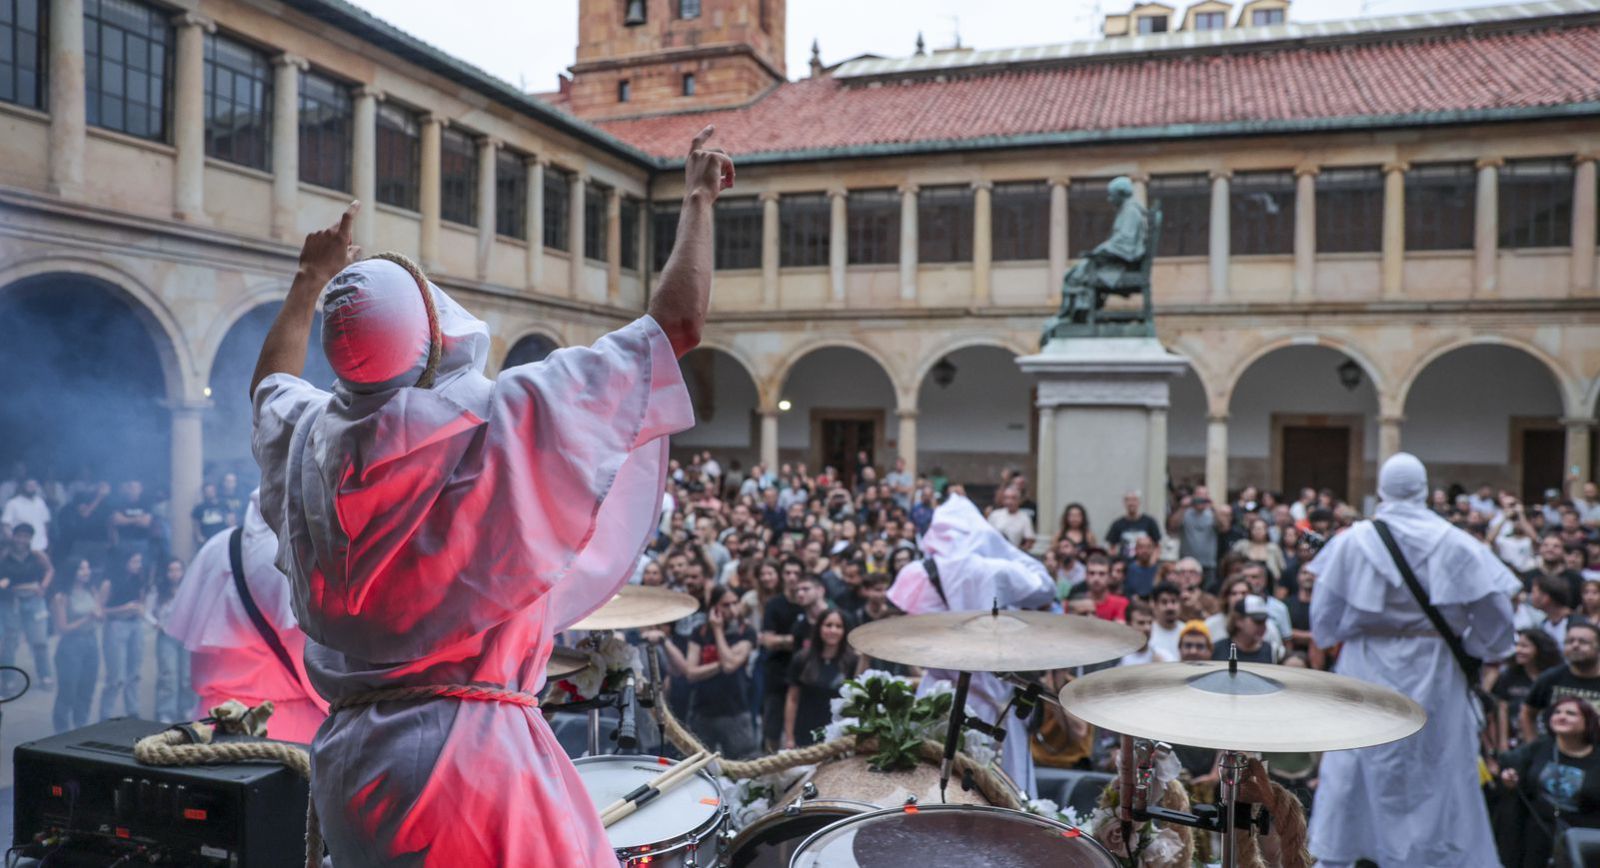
(1120, 264)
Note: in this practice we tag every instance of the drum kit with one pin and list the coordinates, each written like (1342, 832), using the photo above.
(842, 815)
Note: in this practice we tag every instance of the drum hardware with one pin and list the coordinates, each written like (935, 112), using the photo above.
(682, 827)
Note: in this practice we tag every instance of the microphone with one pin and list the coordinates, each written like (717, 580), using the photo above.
(627, 728)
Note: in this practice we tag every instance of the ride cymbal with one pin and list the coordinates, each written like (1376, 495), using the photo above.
(564, 662)
(639, 606)
(1260, 707)
(987, 641)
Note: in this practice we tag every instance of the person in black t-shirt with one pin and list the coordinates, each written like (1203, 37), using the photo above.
(782, 631)
(1247, 630)
(815, 677)
(122, 594)
(210, 514)
(1536, 654)
(1129, 526)
(1558, 780)
(719, 686)
(850, 599)
(1579, 676)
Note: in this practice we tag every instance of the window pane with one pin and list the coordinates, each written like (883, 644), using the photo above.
(22, 52)
(238, 102)
(1089, 215)
(1261, 213)
(944, 224)
(873, 227)
(663, 232)
(458, 177)
(1441, 213)
(805, 223)
(557, 210)
(738, 233)
(1185, 205)
(688, 8)
(399, 152)
(1020, 221)
(325, 128)
(1350, 210)
(510, 194)
(594, 222)
(1536, 203)
(125, 69)
(630, 233)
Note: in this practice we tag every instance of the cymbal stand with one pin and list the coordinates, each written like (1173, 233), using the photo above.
(1226, 817)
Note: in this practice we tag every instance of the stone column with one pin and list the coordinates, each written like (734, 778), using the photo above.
(614, 246)
(770, 254)
(1217, 457)
(1578, 471)
(189, 116)
(908, 243)
(1388, 436)
(1221, 244)
(428, 192)
(575, 239)
(1394, 229)
(188, 463)
(1044, 484)
(487, 146)
(838, 243)
(68, 103)
(769, 439)
(982, 242)
(1058, 238)
(907, 439)
(1155, 488)
(1583, 224)
(1486, 240)
(286, 146)
(1305, 232)
(535, 221)
(364, 164)
(1141, 188)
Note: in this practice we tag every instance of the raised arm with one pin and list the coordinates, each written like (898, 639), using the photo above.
(681, 299)
(325, 253)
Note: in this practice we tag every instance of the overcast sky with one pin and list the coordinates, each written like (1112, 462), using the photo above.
(528, 42)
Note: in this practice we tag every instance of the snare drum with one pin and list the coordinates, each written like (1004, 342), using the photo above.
(950, 835)
(770, 842)
(680, 828)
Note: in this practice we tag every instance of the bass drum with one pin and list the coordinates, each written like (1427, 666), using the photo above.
(913, 837)
(771, 840)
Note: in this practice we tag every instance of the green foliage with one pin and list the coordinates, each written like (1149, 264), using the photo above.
(888, 711)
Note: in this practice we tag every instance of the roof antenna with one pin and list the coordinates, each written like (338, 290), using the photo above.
(816, 58)
(922, 46)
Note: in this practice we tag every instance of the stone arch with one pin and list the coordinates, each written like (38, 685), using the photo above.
(231, 315)
(1567, 384)
(183, 378)
(536, 343)
(845, 402)
(779, 376)
(1221, 390)
(977, 424)
(1014, 347)
(766, 397)
(727, 402)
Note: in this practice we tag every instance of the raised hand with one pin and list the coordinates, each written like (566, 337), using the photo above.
(327, 251)
(707, 170)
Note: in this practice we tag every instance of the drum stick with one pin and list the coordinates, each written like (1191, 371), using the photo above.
(627, 808)
(654, 783)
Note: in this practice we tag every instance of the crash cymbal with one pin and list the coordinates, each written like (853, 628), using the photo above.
(564, 662)
(1261, 707)
(1004, 641)
(639, 606)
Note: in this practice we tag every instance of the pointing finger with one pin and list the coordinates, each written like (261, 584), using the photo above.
(348, 219)
(702, 137)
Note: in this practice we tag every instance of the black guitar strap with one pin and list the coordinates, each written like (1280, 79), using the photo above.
(268, 635)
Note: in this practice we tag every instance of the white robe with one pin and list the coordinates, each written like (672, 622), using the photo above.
(977, 568)
(444, 536)
(1415, 802)
(229, 658)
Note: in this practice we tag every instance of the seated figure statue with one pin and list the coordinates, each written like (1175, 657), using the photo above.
(1104, 269)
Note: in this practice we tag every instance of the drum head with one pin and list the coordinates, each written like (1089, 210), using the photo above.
(953, 835)
(671, 815)
(771, 841)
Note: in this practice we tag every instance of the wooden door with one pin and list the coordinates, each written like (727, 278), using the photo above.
(1316, 457)
(1543, 456)
(842, 438)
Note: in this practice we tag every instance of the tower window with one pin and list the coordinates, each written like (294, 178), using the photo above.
(688, 8)
(688, 84)
(624, 90)
(1209, 21)
(1266, 17)
(1153, 24)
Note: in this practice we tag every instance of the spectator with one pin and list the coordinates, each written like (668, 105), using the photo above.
(1143, 569)
(1167, 604)
(782, 632)
(175, 698)
(1578, 676)
(1131, 525)
(210, 515)
(1194, 642)
(922, 512)
(88, 522)
(28, 507)
(1588, 506)
(1247, 632)
(76, 613)
(25, 576)
(768, 585)
(815, 676)
(1589, 601)
(714, 666)
(1068, 568)
(1199, 525)
(1097, 579)
(1536, 654)
(1484, 502)
(1300, 510)
(233, 497)
(122, 595)
(1140, 617)
(1558, 781)
(1255, 573)
(1299, 606)
(851, 599)
(1075, 526)
(899, 484)
(1011, 521)
(1258, 546)
(1551, 596)
(875, 590)
(133, 526)
(1512, 537)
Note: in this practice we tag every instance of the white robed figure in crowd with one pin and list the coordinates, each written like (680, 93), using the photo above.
(977, 568)
(1415, 802)
(439, 528)
(230, 659)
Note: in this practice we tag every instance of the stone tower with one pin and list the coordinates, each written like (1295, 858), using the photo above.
(638, 57)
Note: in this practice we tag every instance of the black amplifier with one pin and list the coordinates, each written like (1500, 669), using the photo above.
(82, 799)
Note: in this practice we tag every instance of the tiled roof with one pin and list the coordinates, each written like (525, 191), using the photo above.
(1451, 75)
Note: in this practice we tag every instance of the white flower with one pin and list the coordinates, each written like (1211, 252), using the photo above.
(836, 706)
(1069, 815)
(1163, 849)
(837, 728)
(616, 654)
(589, 678)
(980, 747)
(1042, 807)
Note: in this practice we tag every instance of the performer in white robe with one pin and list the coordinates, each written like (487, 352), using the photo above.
(439, 528)
(1415, 802)
(977, 567)
(228, 656)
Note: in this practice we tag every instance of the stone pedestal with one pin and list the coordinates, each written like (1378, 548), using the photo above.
(1102, 425)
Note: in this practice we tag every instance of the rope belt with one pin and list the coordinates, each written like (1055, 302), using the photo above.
(466, 692)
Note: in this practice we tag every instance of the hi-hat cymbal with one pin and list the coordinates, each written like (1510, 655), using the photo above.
(985, 641)
(639, 606)
(1261, 707)
(564, 662)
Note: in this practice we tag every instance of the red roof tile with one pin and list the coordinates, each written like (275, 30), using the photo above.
(1445, 73)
